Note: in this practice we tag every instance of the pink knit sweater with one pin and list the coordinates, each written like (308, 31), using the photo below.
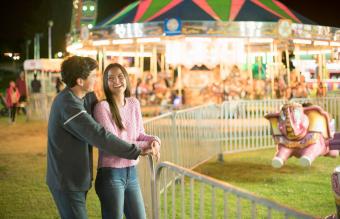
(133, 132)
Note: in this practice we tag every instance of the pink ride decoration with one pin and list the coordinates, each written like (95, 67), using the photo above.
(303, 132)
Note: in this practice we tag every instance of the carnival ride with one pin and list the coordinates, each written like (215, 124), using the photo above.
(182, 34)
(303, 132)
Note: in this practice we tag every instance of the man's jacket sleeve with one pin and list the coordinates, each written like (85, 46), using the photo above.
(81, 125)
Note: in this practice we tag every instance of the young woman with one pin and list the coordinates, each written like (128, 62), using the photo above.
(117, 183)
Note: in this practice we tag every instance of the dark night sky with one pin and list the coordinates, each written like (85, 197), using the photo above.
(20, 19)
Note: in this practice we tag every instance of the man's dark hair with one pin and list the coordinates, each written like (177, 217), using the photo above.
(76, 67)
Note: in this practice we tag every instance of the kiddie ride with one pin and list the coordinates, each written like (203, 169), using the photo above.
(304, 132)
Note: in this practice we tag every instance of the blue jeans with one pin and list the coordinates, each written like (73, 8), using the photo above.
(71, 205)
(119, 192)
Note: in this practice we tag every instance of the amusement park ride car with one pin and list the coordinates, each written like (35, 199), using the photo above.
(305, 132)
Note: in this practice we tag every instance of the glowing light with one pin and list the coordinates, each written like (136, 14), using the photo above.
(122, 41)
(9, 54)
(335, 43)
(84, 8)
(301, 41)
(59, 54)
(128, 54)
(198, 39)
(101, 42)
(90, 26)
(86, 52)
(73, 47)
(91, 8)
(149, 40)
(314, 52)
(261, 40)
(320, 43)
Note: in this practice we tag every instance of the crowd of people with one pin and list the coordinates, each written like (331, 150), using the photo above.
(235, 87)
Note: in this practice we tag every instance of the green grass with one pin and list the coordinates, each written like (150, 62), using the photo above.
(24, 193)
(305, 189)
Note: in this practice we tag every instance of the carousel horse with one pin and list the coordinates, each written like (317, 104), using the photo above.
(303, 132)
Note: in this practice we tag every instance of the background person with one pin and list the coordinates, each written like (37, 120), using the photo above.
(21, 85)
(35, 85)
(12, 100)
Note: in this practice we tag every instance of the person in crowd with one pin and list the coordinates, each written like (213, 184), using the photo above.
(301, 88)
(12, 100)
(321, 88)
(120, 114)
(71, 130)
(138, 90)
(277, 94)
(59, 85)
(35, 85)
(21, 85)
(288, 93)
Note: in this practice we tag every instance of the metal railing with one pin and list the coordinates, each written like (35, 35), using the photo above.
(194, 195)
(245, 128)
(192, 136)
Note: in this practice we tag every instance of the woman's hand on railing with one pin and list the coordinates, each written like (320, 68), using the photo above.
(155, 147)
(153, 150)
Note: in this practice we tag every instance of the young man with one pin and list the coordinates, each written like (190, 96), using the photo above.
(70, 132)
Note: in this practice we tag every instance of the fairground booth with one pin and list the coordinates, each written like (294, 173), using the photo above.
(207, 45)
(45, 73)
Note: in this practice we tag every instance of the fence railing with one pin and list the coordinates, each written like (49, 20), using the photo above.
(245, 128)
(191, 136)
(192, 195)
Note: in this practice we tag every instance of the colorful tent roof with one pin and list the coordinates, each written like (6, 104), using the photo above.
(218, 10)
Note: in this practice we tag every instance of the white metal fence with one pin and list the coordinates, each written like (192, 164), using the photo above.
(192, 136)
(193, 195)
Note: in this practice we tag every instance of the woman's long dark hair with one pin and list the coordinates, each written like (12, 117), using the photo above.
(109, 97)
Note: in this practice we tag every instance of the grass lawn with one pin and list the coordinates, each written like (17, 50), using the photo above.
(24, 193)
(305, 189)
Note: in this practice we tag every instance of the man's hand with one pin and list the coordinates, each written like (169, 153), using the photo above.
(146, 151)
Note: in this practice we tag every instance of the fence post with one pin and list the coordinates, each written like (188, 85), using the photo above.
(174, 137)
(220, 156)
(154, 195)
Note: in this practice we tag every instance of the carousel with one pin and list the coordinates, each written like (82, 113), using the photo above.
(197, 43)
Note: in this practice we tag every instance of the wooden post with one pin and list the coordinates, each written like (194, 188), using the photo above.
(136, 58)
(320, 66)
(298, 63)
(162, 62)
(179, 78)
(120, 55)
(273, 68)
(288, 66)
(250, 72)
(141, 58)
(154, 63)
